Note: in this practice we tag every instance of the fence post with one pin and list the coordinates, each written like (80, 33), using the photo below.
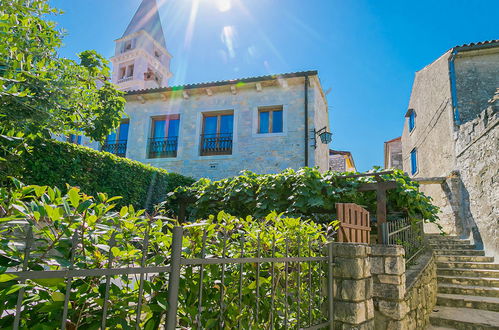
(383, 228)
(330, 285)
(174, 280)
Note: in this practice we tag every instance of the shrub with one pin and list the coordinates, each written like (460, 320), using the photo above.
(306, 193)
(100, 231)
(53, 163)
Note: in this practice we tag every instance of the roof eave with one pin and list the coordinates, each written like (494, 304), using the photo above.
(223, 83)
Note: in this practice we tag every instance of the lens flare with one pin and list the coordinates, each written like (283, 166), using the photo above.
(224, 5)
(228, 36)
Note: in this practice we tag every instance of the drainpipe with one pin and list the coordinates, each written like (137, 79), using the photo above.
(306, 120)
(453, 90)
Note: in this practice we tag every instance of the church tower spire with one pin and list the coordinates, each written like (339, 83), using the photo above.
(141, 59)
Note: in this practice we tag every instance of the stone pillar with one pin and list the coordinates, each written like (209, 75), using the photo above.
(388, 272)
(353, 304)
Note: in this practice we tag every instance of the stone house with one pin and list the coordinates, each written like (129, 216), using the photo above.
(393, 153)
(217, 129)
(451, 131)
(341, 161)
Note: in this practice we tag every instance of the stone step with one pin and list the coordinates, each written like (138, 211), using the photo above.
(452, 246)
(448, 240)
(455, 252)
(472, 290)
(493, 273)
(440, 236)
(464, 318)
(472, 281)
(465, 301)
(466, 265)
(433, 327)
(464, 258)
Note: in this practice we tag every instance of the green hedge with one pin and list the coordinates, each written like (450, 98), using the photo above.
(53, 163)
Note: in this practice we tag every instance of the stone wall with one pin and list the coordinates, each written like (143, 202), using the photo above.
(477, 77)
(353, 305)
(403, 299)
(477, 145)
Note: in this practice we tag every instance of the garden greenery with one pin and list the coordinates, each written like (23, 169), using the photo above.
(302, 193)
(56, 164)
(95, 230)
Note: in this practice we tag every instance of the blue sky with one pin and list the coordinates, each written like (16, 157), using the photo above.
(366, 51)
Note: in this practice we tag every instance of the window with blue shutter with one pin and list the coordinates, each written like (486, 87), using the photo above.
(412, 121)
(414, 161)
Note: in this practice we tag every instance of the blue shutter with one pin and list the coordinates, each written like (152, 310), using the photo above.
(412, 121)
(414, 161)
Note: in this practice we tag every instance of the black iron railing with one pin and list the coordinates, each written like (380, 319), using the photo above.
(163, 147)
(216, 144)
(118, 148)
(406, 232)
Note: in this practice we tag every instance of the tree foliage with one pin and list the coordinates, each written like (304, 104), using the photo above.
(42, 93)
(95, 230)
(305, 192)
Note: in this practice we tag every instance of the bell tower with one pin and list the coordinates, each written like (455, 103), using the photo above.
(141, 60)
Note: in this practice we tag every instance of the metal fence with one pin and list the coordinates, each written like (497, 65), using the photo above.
(406, 232)
(216, 280)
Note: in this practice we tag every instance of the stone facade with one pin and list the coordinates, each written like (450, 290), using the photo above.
(261, 153)
(403, 299)
(341, 161)
(393, 153)
(477, 77)
(454, 138)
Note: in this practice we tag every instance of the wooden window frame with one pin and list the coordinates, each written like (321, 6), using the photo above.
(154, 119)
(219, 115)
(271, 110)
(166, 118)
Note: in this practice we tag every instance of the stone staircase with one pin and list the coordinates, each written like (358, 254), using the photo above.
(468, 286)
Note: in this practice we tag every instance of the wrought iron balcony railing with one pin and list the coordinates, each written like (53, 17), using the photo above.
(163, 147)
(216, 144)
(118, 148)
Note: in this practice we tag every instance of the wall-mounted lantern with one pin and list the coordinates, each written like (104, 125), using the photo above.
(325, 136)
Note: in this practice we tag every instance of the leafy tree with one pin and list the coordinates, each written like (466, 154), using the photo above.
(43, 94)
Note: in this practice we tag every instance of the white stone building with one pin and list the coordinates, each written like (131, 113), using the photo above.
(263, 124)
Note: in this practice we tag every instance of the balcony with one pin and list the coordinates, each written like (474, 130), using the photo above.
(163, 147)
(117, 148)
(216, 144)
(124, 79)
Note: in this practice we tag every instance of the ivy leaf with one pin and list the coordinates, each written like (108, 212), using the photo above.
(123, 211)
(58, 296)
(74, 197)
(115, 251)
(7, 277)
(48, 282)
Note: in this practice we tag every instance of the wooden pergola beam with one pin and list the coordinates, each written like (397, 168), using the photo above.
(431, 180)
